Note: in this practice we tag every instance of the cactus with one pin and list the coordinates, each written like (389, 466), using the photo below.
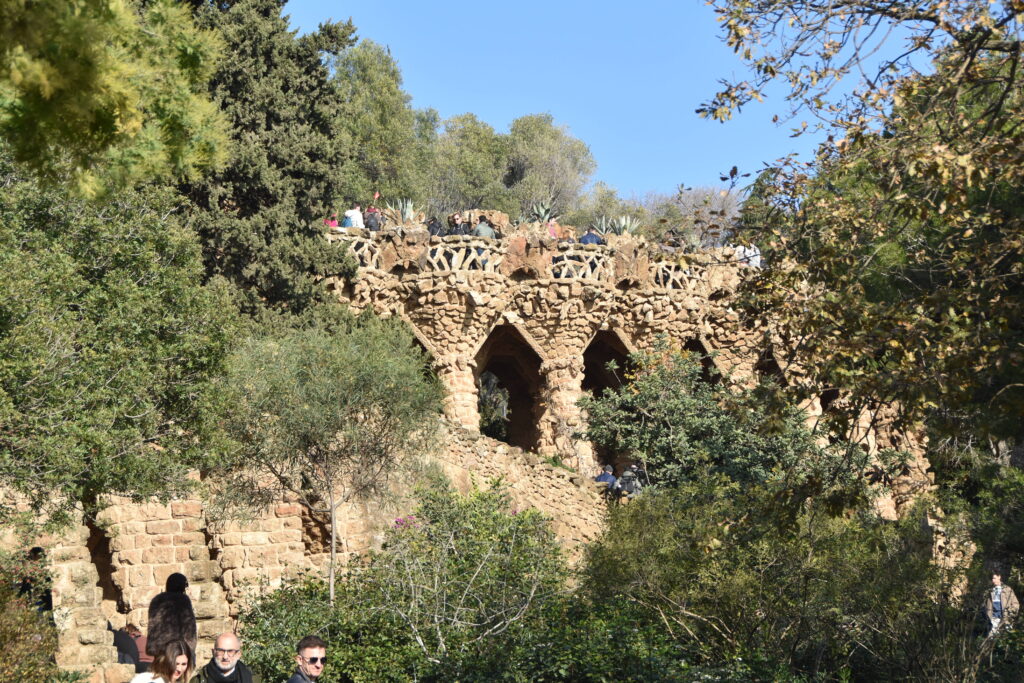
(602, 226)
(625, 225)
(543, 212)
(403, 210)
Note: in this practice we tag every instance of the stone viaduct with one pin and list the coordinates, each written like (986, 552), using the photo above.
(545, 318)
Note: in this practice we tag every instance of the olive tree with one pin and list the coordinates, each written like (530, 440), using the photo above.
(327, 416)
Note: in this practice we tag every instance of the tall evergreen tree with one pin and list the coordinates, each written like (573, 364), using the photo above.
(260, 219)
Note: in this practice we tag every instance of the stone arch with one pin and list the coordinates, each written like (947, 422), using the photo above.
(767, 368)
(511, 356)
(604, 347)
(709, 371)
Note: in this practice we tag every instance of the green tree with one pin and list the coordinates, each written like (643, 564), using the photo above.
(900, 247)
(260, 219)
(389, 141)
(470, 164)
(327, 415)
(681, 426)
(107, 341)
(100, 94)
(450, 584)
(546, 164)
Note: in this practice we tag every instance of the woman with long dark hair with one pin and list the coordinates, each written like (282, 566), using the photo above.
(173, 665)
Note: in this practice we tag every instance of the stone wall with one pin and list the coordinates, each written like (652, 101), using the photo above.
(106, 574)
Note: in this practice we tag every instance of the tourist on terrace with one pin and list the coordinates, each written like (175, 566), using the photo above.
(458, 227)
(436, 228)
(226, 665)
(1001, 604)
(354, 217)
(591, 237)
(332, 222)
(484, 229)
(311, 658)
(373, 218)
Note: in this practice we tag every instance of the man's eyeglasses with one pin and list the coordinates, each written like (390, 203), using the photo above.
(316, 660)
(219, 651)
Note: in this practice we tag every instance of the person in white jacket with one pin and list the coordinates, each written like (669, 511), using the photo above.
(355, 216)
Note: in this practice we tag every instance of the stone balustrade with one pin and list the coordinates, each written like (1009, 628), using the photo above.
(626, 261)
(463, 252)
(584, 262)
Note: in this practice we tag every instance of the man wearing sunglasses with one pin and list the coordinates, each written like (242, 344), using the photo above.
(226, 664)
(311, 657)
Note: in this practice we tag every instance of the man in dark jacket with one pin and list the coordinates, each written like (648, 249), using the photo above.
(226, 665)
(171, 617)
(311, 658)
(591, 237)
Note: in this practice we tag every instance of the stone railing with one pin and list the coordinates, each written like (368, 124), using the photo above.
(670, 275)
(463, 252)
(360, 243)
(583, 261)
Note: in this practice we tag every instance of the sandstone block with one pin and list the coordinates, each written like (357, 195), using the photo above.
(166, 526)
(188, 508)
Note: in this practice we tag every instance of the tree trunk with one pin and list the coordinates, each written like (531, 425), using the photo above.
(334, 546)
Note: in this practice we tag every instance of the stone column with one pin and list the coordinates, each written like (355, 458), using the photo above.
(561, 418)
(456, 373)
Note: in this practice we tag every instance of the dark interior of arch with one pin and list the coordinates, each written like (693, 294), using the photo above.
(599, 378)
(509, 358)
(602, 350)
(709, 373)
(769, 369)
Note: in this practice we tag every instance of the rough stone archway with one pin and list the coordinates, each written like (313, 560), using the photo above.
(508, 356)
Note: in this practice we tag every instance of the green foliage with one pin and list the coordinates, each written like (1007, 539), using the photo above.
(546, 164)
(492, 404)
(28, 635)
(542, 213)
(107, 339)
(403, 209)
(389, 142)
(470, 161)
(326, 413)
(681, 427)
(708, 558)
(624, 225)
(260, 219)
(99, 95)
(450, 583)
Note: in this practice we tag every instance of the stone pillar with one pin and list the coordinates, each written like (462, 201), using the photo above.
(561, 418)
(456, 373)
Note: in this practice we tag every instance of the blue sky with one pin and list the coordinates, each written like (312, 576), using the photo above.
(625, 77)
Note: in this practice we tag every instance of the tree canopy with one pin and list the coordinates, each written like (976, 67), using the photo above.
(108, 339)
(101, 94)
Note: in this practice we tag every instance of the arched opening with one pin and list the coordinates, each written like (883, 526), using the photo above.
(768, 369)
(709, 373)
(508, 364)
(606, 347)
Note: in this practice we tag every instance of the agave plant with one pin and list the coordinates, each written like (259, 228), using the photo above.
(625, 225)
(602, 226)
(543, 212)
(403, 209)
